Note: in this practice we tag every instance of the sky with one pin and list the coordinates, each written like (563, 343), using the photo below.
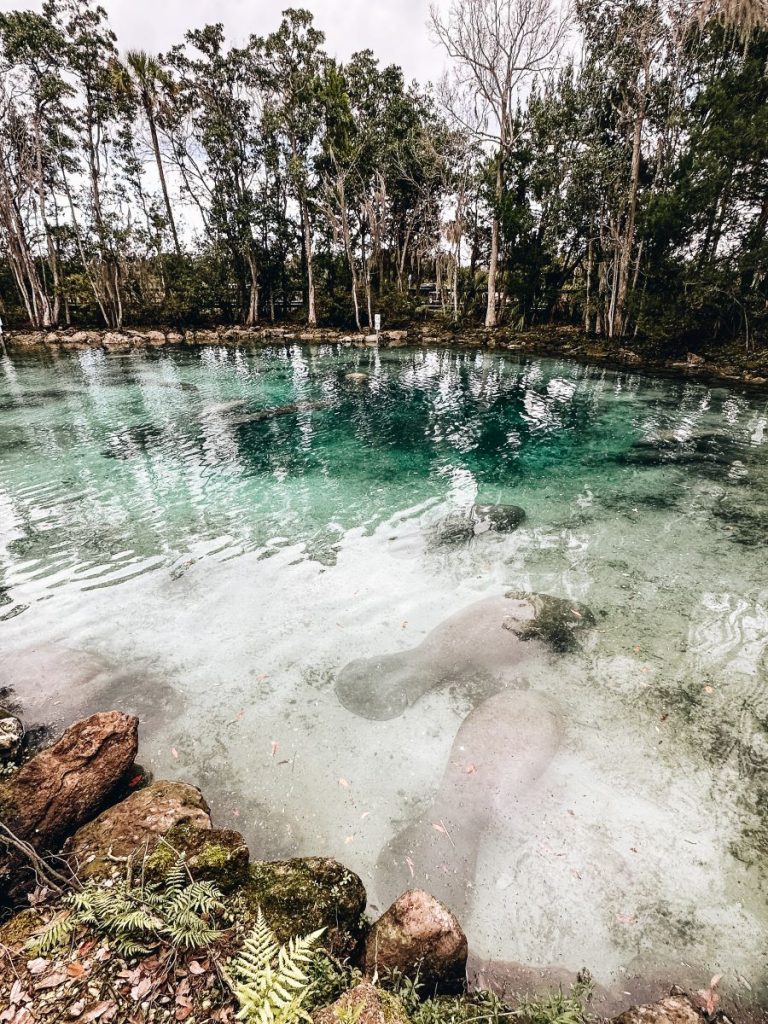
(395, 30)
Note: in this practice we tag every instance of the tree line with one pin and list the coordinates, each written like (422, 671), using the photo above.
(604, 164)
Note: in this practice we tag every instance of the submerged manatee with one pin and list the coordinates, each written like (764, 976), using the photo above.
(459, 527)
(280, 410)
(500, 752)
(487, 639)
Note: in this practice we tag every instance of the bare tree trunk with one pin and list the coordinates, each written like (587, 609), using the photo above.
(161, 172)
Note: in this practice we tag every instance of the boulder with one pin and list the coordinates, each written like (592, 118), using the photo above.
(626, 355)
(217, 855)
(61, 788)
(501, 518)
(364, 1004)
(11, 735)
(418, 936)
(678, 1009)
(356, 378)
(100, 848)
(301, 895)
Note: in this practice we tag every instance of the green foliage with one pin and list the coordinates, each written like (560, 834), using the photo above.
(272, 983)
(178, 912)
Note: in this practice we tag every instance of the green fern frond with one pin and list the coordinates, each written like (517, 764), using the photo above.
(55, 934)
(271, 984)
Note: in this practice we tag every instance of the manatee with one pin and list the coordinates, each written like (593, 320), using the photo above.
(484, 641)
(280, 410)
(500, 752)
(217, 408)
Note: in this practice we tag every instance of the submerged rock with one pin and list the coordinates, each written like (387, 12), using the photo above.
(418, 936)
(459, 527)
(280, 410)
(363, 1004)
(672, 1010)
(301, 895)
(134, 826)
(356, 378)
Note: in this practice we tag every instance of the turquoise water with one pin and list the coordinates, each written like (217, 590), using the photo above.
(208, 538)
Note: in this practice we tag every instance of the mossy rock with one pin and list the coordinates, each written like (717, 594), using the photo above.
(216, 855)
(18, 929)
(301, 895)
(364, 1004)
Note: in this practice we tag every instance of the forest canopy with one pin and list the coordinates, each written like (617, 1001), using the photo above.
(605, 166)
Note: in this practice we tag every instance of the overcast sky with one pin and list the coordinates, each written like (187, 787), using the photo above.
(394, 29)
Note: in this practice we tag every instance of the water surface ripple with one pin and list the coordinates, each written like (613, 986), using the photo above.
(218, 539)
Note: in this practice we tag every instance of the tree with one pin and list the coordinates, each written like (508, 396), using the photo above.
(498, 47)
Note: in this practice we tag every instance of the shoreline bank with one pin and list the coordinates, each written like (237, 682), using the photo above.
(730, 365)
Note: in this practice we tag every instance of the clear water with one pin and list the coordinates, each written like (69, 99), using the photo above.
(166, 550)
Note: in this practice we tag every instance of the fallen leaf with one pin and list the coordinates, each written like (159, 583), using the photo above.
(195, 967)
(38, 965)
(182, 1012)
(52, 981)
(18, 994)
(75, 969)
(275, 747)
(76, 1008)
(709, 689)
(99, 1009)
(174, 752)
(141, 989)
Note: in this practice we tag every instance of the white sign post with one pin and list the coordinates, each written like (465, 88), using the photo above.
(377, 322)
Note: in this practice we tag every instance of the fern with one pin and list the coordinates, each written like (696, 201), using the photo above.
(272, 982)
(177, 911)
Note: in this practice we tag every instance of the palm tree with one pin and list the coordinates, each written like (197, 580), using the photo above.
(145, 74)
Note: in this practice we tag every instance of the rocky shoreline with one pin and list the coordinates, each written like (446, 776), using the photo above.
(80, 817)
(732, 365)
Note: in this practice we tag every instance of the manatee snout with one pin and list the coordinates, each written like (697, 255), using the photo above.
(376, 688)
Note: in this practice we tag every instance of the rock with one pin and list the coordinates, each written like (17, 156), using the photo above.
(61, 788)
(174, 338)
(19, 928)
(694, 359)
(371, 339)
(80, 337)
(397, 336)
(356, 378)
(501, 518)
(626, 355)
(458, 527)
(135, 824)
(678, 1009)
(11, 735)
(554, 620)
(418, 935)
(364, 1004)
(116, 339)
(217, 855)
(155, 338)
(301, 895)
